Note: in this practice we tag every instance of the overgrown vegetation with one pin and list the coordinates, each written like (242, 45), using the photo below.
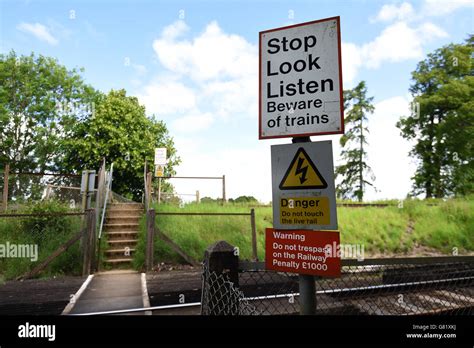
(404, 230)
(441, 125)
(48, 233)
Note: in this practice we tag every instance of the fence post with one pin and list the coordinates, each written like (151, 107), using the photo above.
(148, 183)
(150, 233)
(5, 187)
(254, 235)
(221, 261)
(223, 190)
(85, 182)
(197, 196)
(159, 190)
(88, 242)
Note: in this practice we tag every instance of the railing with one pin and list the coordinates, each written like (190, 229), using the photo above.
(38, 237)
(151, 230)
(104, 210)
(147, 186)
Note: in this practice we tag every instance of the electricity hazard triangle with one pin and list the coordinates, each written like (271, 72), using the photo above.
(302, 174)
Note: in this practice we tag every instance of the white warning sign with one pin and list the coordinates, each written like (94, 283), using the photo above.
(301, 80)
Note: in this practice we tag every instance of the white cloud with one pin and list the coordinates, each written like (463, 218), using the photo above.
(39, 31)
(233, 97)
(388, 151)
(429, 31)
(213, 71)
(400, 42)
(397, 42)
(139, 69)
(391, 12)
(174, 30)
(430, 8)
(351, 62)
(444, 7)
(195, 122)
(211, 55)
(167, 97)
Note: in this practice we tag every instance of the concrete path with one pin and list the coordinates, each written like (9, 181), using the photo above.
(110, 291)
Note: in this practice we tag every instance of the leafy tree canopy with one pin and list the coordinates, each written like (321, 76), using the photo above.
(442, 122)
(119, 131)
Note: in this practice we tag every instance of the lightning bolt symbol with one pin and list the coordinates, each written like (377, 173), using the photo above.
(301, 170)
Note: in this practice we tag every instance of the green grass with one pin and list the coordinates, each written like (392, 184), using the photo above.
(382, 231)
(48, 233)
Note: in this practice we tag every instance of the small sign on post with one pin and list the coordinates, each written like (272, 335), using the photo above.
(160, 161)
(159, 171)
(160, 156)
(303, 252)
(301, 80)
(303, 186)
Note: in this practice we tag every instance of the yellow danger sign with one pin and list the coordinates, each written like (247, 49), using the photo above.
(302, 174)
(159, 171)
(305, 211)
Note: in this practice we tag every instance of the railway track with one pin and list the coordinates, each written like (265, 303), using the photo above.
(453, 295)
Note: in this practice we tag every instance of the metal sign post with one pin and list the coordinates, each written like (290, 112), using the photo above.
(301, 94)
(307, 283)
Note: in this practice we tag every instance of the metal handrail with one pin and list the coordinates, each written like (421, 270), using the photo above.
(107, 190)
(109, 187)
(145, 199)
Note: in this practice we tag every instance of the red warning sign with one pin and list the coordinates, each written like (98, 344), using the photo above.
(303, 251)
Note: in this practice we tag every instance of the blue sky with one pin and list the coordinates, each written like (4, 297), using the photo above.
(194, 64)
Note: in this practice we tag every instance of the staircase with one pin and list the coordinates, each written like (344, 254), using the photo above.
(121, 228)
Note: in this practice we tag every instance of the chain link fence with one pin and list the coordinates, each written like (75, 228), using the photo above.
(24, 188)
(409, 286)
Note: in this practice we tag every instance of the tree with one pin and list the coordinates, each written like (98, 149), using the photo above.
(244, 199)
(442, 122)
(39, 99)
(119, 131)
(355, 169)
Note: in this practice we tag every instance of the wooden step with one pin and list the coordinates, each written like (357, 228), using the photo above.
(124, 213)
(121, 235)
(121, 206)
(117, 220)
(119, 253)
(119, 261)
(116, 243)
(121, 227)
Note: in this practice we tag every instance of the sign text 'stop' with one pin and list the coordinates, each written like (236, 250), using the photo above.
(301, 80)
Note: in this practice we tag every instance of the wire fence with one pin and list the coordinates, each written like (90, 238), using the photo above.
(411, 286)
(44, 243)
(24, 188)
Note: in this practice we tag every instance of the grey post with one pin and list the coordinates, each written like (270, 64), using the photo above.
(220, 262)
(85, 187)
(150, 233)
(159, 190)
(5, 187)
(306, 282)
(254, 235)
(88, 242)
(223, 190)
